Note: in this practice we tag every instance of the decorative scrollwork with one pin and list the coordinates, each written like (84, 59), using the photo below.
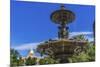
(77, 50)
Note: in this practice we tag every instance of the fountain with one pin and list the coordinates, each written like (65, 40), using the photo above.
(63, 47)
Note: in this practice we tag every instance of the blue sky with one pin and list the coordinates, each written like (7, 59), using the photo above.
(31, 24)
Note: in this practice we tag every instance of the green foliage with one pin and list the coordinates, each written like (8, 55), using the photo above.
(31, 61)
(82, 57)
(85, 56)
(91, 52)
(80, 37)
(47, 60)
(14, 56)
(42, 61)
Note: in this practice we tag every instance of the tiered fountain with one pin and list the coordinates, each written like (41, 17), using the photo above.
(63, 47)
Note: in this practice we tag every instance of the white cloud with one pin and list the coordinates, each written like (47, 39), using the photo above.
(91, 39)
(26, 46)
(83, 33)
(79, 33)
(71, 34)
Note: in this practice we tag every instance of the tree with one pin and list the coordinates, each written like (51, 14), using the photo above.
(79, 37)
(31, 61)
(91, 51)
(85, 56)
(48, 60)
(21, 62)
(82, 57)
(14, 57)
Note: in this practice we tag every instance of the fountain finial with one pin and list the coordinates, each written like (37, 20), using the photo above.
(62, 7)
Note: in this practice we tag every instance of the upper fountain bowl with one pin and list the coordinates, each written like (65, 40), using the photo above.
(62, 16)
